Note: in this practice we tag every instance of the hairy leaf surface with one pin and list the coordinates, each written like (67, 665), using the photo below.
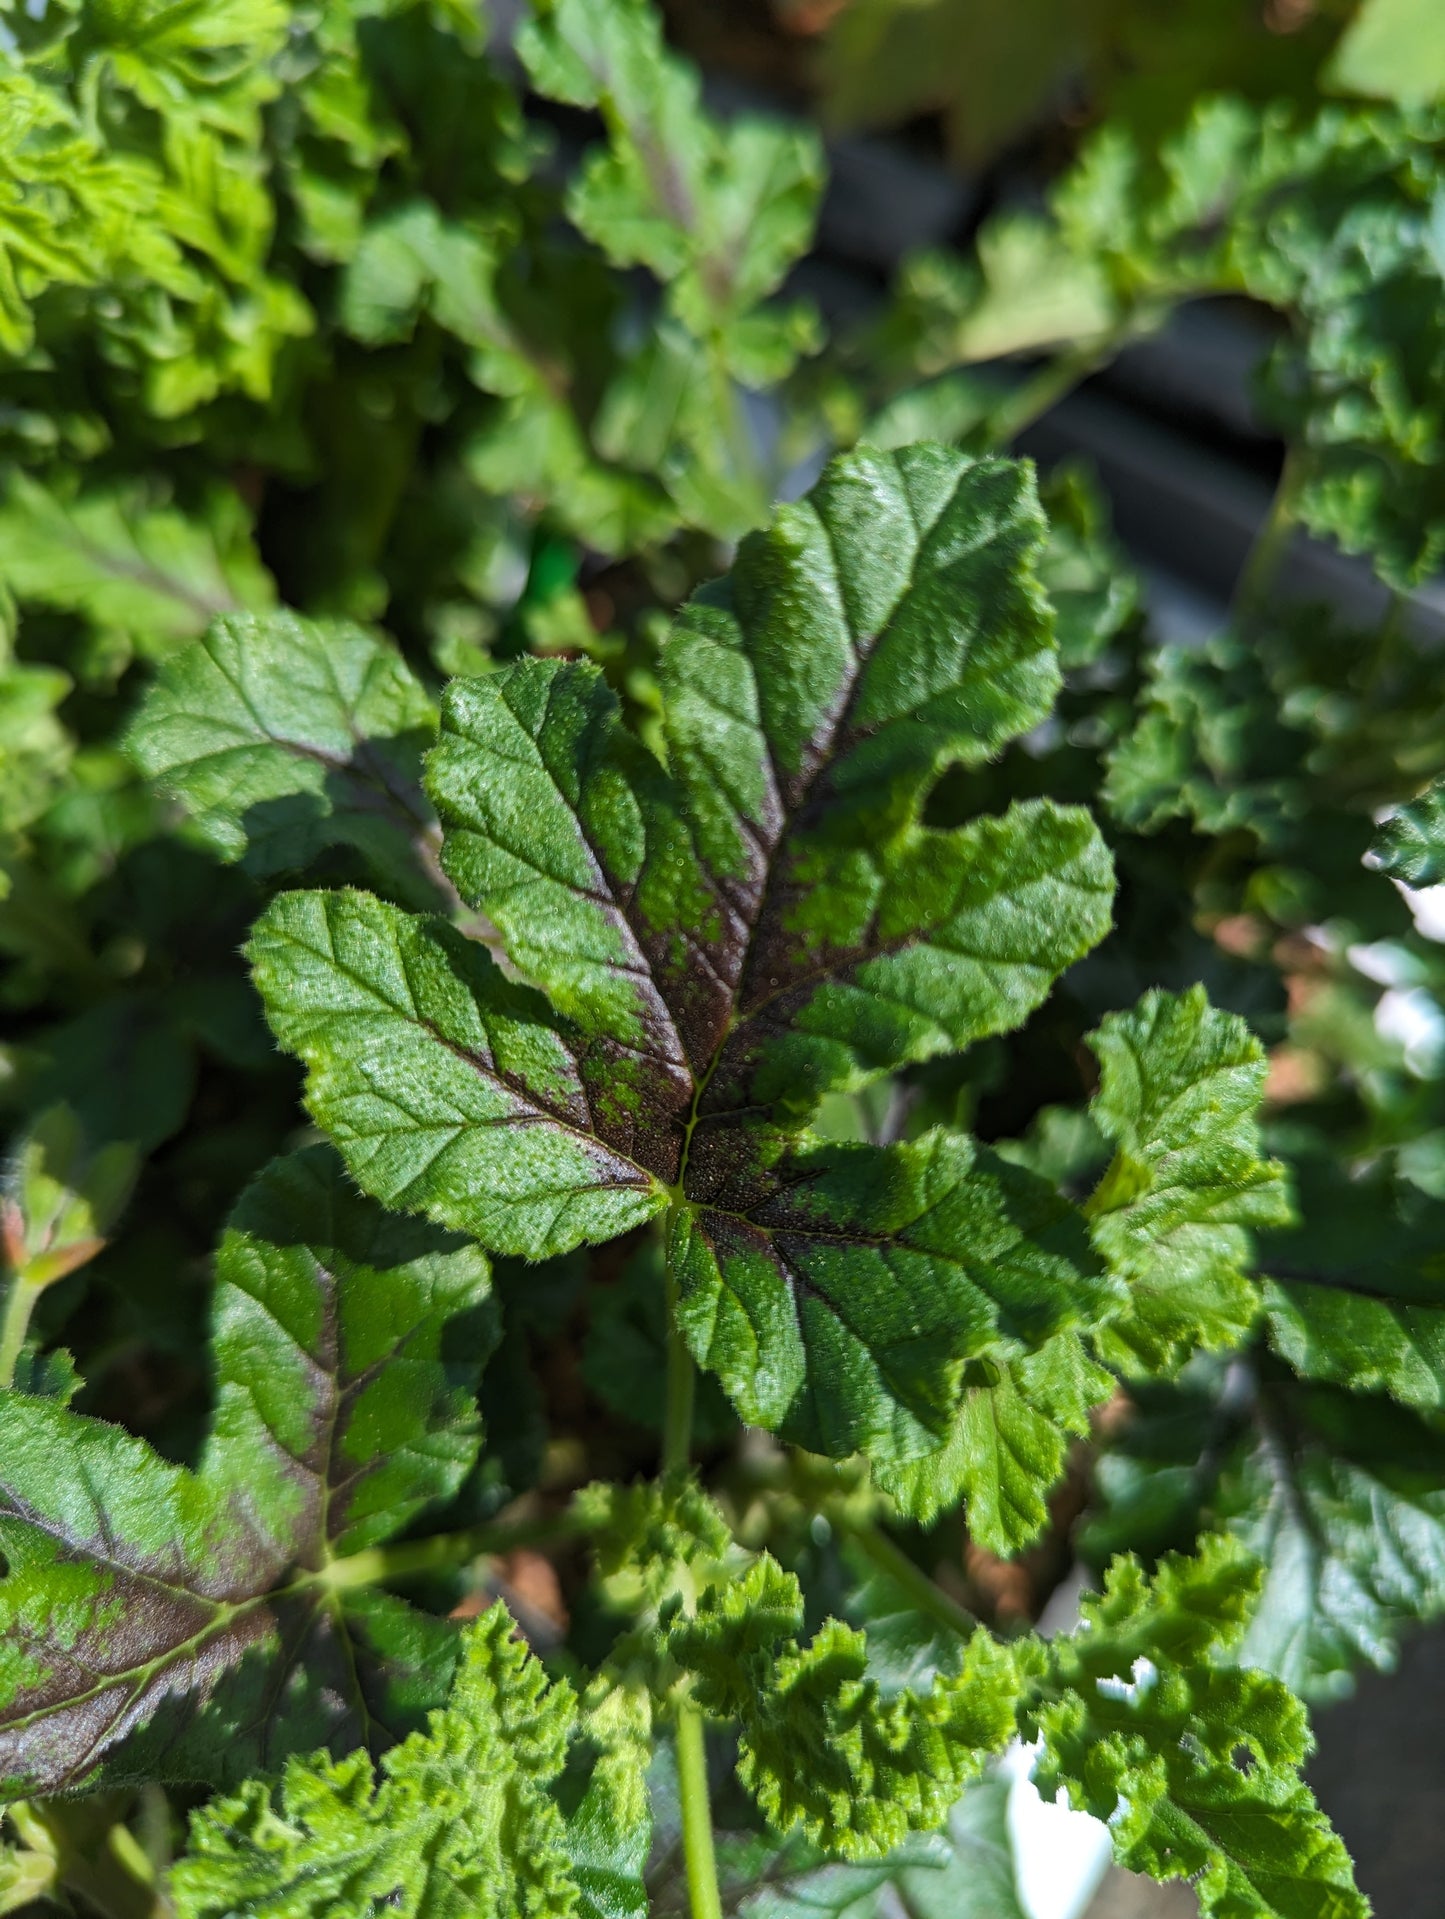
(1180, 1083)
(282, 736)
(1148, 1732)
(822, 1748)
(332, 1840)
(724, 941)
(164, 1622)
(1008, 1446)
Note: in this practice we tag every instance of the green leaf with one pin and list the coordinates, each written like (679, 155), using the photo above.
(1354, 1295)
(1210, 745)
(1009, 1445)
(129, 559)
(1339, 1498)
(821, 1748)
(445, 1086)
(648, 1536)
(718, 213)
(422, 1840)
(1193, 1764)
(1085, 572)
(1410, 845)
(282, 736)
(1392, 50)
(1351, 1337)
(966, 1871)
(160, 1622)
(1180, 1084)
(840, 1304)
(726, 940)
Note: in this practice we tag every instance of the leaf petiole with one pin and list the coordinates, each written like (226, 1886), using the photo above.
(894, 1563)
(20, 1301)
(411, 1558)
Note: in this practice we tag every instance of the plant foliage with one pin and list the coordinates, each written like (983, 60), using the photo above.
(634, 1112)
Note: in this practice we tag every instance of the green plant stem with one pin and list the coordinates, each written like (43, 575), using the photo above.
(413, 1557)
(697, 1839)
(1033, 396)
(697, 1847)
(681, 1381)
(1271, 543)
(891, 1560)
(19, 1304)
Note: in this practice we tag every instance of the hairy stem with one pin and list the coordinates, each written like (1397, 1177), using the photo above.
(697, 1848)
(681, 1380)
(413, 1557)
(19, 1304)
(697, 1840)
(891, 1560)
(1271, 543)
(1044, 388)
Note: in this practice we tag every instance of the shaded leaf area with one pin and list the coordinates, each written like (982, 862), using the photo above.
(332, 1837)
(160, 1622)
(282, 736)
(964, 1871)
(724, 941)
(128, 557)
(1337, 1494)
(1355, 1293)
(1193, 1761)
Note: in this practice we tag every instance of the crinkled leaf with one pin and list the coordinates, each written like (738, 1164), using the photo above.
(1008, 1446)
(460, 1822)
(822, 1748)
(1194, 1764)
(164, 1622)
(282, 736)
(725, 941)
(1410, 845)
(647, 1535)
(1180, 1085)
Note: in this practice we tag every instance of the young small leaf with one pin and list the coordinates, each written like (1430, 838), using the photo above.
(821, 1748)
(1008, 1446)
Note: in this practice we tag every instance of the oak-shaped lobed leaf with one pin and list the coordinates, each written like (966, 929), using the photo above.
(720, 942)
